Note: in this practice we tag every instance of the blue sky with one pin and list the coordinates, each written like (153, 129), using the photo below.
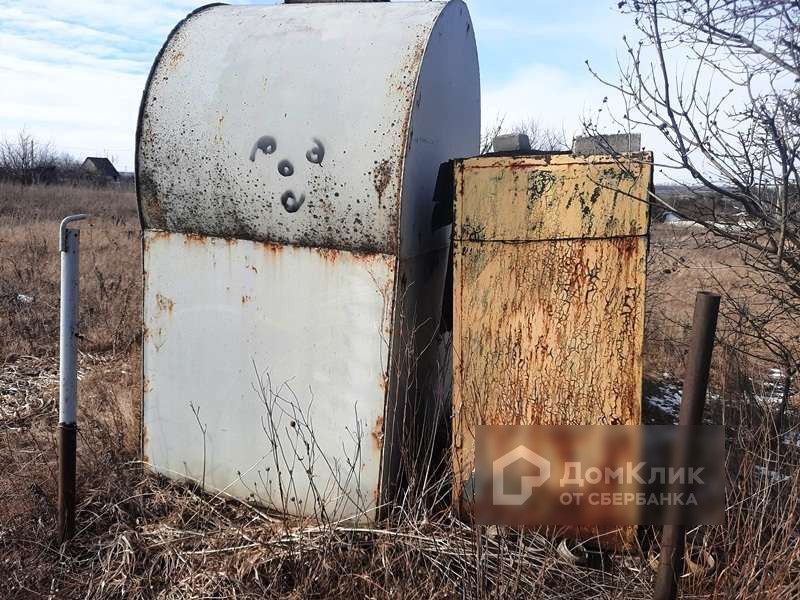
(72, 71)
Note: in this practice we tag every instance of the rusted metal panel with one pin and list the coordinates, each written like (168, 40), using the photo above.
(552, 197)
(221, 314)
(308, 124)
(548, 298)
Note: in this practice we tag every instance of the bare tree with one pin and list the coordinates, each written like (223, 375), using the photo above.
(491, 132)
(26, 160)
(541, 138)
(718, 80)
(69, 168)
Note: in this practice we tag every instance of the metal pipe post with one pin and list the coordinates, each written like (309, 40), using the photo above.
(69, 241)
(695, 385)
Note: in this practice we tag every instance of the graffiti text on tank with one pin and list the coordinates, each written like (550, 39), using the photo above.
(268, 145)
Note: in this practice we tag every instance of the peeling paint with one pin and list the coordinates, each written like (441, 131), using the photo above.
(549, 293)
(377, 434)
(164, 303)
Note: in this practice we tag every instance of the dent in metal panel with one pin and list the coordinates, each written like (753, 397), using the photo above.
(284, 123)
(220, 315)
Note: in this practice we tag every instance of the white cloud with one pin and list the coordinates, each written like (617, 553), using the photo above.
(130, 19)
(553, 97)
(82, 107)
(72, 72)
(560, 101)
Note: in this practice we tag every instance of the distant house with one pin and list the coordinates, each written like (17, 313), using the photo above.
(100, 168)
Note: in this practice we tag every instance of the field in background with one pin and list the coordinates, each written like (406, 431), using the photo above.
(143, 536)
(29, 268)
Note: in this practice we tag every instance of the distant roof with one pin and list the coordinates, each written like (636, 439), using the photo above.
(101, 166)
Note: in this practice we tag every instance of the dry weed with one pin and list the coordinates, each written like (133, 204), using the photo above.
(141, 536)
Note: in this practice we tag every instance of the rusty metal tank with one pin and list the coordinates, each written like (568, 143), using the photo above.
(286, 161)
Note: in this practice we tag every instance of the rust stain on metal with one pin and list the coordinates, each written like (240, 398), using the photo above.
(176, 58)
(377, 433)
(155, 211)
(329, 254)
(549, 291)
(558, 197)
(382, 175)
(194, 238)
(273, 249)
(164, 303)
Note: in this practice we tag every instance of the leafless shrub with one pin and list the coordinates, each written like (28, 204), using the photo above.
(757, 549)
(146, 537)
(26, 160)
(142, 536)
(718, 83)
(489, 133)
(541, 138)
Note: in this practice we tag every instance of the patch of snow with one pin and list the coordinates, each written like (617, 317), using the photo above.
(771, 476)
(686, 224)
(791, 438)
(667, 398)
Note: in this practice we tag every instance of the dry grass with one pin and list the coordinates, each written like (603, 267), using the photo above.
(758, 549)
(29, 268)
(142, 536)
(681, 262)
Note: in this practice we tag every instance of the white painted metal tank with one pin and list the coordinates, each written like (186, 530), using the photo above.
(286, 164)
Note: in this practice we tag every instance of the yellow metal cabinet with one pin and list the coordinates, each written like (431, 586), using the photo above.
(548, 293)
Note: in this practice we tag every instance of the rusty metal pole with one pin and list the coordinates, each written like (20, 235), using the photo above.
(68, 243)
(695, 384)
